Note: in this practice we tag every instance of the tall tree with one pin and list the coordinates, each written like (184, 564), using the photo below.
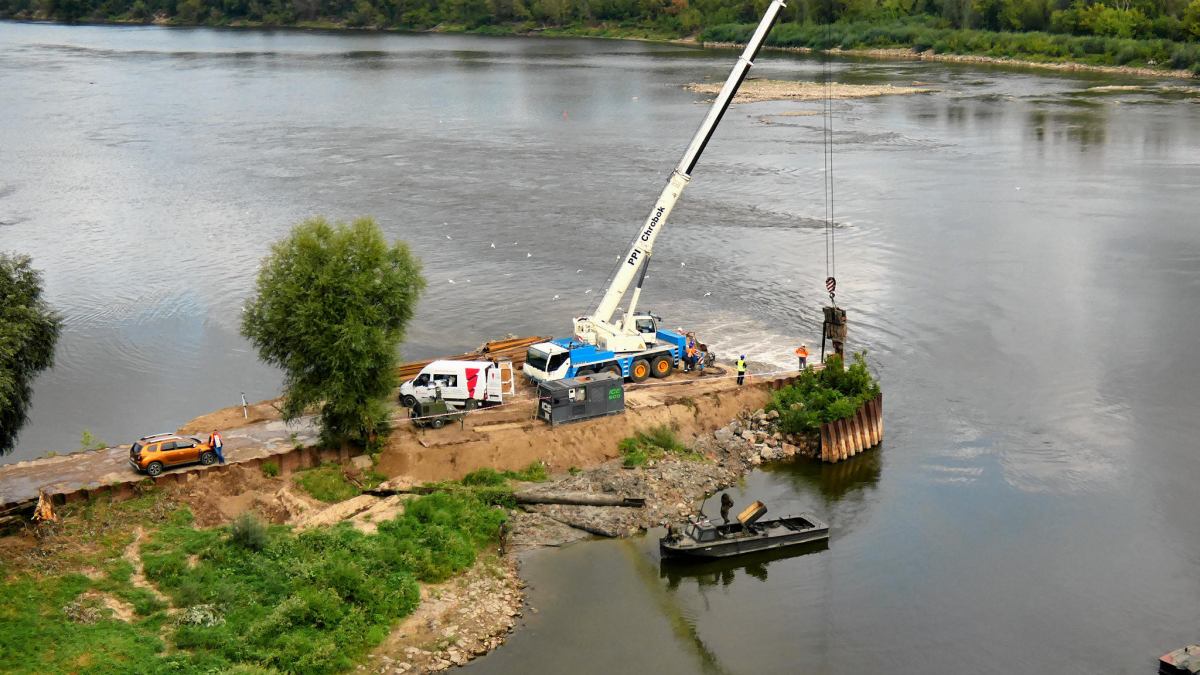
(29, 329)
(331, 307)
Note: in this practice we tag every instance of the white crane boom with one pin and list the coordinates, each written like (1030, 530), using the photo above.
(597, 329)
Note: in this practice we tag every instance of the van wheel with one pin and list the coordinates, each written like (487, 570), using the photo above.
(470, 404)
(154, 469)
(661, 366)
(640, 370)
(438, 423)
(408, 400)
(208, 458)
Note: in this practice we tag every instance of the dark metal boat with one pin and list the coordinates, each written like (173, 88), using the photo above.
(700, 538)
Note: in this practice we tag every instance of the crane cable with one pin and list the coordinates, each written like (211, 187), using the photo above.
(830, 250)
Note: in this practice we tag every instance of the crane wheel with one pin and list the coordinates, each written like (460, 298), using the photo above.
(640, 370)
(614, 369)
(661, 366)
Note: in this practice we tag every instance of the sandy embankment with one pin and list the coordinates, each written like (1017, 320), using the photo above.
(756, 91)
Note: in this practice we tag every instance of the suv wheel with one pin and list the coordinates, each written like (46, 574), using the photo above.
(154, 469)
(208, 458)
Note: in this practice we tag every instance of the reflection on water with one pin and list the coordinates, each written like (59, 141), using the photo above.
(853, 479)
(723, 571)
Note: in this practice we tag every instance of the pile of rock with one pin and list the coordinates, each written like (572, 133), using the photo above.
(672, 486)
(762, 440)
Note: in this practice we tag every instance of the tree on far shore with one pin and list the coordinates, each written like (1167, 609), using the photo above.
(29, 329)
(330, 309)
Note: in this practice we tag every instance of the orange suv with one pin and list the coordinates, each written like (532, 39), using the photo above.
(152, 454)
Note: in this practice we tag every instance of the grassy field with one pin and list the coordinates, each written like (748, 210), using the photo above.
(240, 598)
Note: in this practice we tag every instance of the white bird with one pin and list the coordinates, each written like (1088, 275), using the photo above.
(708, 294)
(493, 244)
(556, 297)
(587, 291)
(450, 280)
(447, 236)
(468, 281)
(515, 243)
(682, 264)
(578, 271)
(528, 255)
(508, 274)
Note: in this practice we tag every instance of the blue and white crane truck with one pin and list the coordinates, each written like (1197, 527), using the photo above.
(635, 346)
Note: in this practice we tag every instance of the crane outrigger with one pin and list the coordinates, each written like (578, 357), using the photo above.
(635, 346)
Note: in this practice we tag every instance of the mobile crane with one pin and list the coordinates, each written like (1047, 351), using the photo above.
(635, 346)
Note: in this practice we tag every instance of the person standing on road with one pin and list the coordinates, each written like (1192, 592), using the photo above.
(217, 445)
(741, 369)
(802, 354)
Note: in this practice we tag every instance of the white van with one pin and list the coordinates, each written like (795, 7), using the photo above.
(463, 384)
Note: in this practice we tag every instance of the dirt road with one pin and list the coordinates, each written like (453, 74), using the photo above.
(68, 473)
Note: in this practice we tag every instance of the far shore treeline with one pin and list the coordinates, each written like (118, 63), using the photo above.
(1143, 33)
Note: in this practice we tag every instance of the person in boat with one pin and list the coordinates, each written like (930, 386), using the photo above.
(726, 505)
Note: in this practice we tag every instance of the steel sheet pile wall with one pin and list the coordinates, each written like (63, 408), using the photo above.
(846, 438)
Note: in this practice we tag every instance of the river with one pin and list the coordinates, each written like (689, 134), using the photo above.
(1019, 253)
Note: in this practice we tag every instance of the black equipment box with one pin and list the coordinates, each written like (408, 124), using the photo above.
(581, 398)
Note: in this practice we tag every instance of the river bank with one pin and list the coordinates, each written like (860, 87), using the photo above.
(913, 52)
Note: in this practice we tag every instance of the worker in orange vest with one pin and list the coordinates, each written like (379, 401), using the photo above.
(802, 354)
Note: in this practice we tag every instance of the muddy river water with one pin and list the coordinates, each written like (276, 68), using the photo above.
(1019, 252)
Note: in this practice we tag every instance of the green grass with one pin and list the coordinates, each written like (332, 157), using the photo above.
(317, 600)
(534, 472)
(644, 446)
(311, 602)
(327, 483)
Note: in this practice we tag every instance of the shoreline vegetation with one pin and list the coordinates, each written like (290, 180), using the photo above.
(1153, 38)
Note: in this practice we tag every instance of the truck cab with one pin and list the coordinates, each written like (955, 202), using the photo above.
(570, 357)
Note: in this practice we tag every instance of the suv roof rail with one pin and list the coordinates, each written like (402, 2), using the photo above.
(164, 435)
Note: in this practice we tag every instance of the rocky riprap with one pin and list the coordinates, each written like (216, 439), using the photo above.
(672, 486)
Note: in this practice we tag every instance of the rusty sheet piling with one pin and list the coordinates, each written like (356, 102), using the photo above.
(843, 439)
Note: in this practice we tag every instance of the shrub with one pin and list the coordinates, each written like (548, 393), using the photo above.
(270, 469)
(248, 532)
(833, 393)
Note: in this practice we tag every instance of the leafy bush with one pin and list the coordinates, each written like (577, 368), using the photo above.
(248, 532)
(817, 397)
(270, 469)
